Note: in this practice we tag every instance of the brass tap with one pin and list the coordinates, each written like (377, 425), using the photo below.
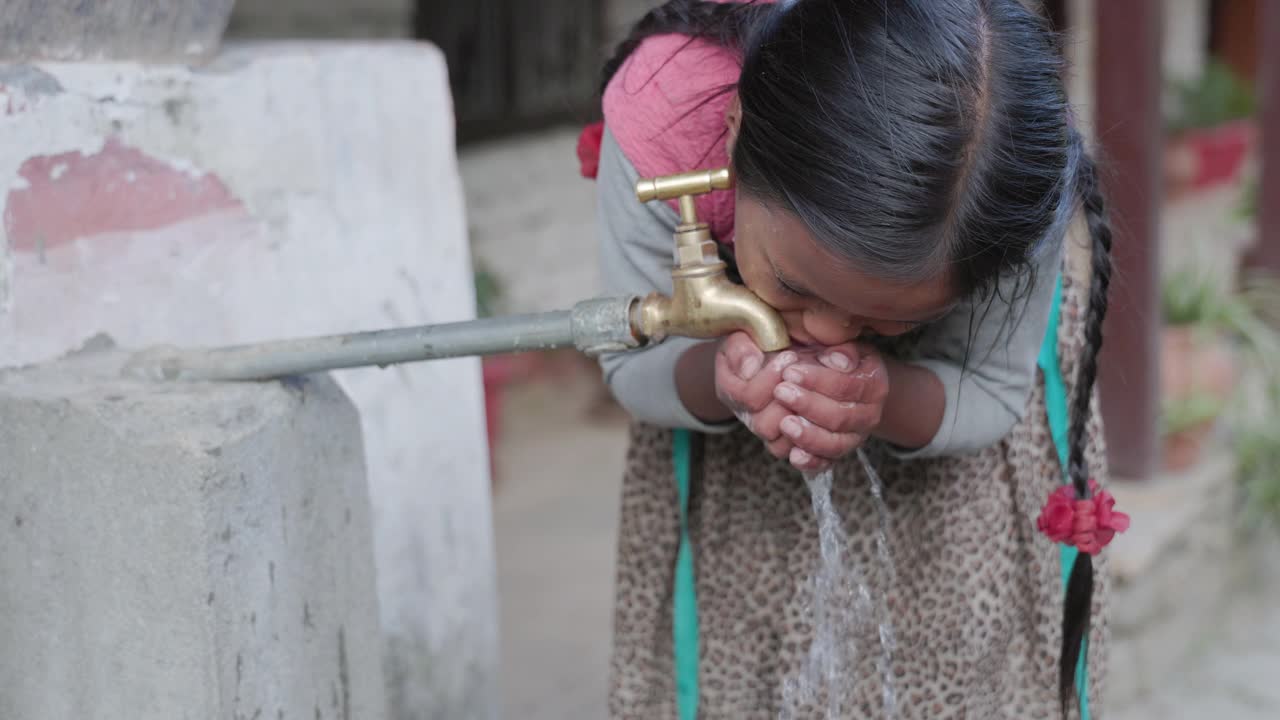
(704, 303)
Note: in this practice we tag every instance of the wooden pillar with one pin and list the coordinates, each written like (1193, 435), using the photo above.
(1129, 129)
(1265, 255)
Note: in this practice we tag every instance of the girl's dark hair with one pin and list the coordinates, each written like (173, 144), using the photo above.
(917, 139)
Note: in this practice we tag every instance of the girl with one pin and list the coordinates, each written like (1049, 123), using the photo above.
(906, 174)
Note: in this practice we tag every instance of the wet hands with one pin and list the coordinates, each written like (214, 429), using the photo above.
(810, 405)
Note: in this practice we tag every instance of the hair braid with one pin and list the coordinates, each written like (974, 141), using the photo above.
(1077, 607)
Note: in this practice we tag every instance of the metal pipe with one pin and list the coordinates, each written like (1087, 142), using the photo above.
(704, 304)
(592, 326)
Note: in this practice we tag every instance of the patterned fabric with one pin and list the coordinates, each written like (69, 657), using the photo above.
(977, 606)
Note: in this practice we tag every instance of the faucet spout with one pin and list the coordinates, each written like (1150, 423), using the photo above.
(704, 303)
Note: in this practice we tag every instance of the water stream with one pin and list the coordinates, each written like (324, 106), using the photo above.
(842, 609)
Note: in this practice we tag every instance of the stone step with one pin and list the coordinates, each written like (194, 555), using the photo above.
(1179, 577)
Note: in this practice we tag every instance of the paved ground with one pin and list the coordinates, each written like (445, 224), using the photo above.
(1236, 675)
(556, 508)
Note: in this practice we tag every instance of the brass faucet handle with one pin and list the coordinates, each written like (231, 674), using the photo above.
(671, 187)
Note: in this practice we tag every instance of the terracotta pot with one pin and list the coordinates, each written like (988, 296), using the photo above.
(1183, 449)
(1206, 157)
(1191, 362)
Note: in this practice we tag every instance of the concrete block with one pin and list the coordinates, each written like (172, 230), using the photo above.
(282, 190)
(183, 551)
(146, 30)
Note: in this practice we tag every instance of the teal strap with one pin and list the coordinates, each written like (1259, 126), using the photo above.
(685, 597)
(1055, 400)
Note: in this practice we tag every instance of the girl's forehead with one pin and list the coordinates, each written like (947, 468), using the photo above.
(796, 256)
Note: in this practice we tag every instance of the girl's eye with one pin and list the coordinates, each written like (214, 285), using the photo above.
(789, 289)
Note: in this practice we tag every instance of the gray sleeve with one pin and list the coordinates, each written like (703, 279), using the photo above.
(636, 257)
(985, 353)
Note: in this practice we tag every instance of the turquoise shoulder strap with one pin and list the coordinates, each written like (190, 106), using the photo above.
(1055, 400)
(685, 602)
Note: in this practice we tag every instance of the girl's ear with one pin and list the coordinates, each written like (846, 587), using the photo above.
(732, 121)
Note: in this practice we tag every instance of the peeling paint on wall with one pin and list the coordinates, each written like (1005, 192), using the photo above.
(119, 188)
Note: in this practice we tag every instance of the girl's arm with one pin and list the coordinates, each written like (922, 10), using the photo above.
(671, 384)
(975, 369)
(914, 409)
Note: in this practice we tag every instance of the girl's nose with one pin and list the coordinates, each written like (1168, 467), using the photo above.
(828, 327)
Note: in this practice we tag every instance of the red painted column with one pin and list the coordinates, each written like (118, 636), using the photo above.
(1129, 128)
(1266, 253)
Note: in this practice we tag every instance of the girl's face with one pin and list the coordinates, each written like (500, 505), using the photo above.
(822, 298)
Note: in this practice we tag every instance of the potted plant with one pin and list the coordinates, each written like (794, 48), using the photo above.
(1198, 366)
(1211, 129)
(1186, 424)
(1255, 431)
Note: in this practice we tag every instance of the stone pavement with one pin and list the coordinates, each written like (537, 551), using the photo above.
(1236, 674)
(556, 511)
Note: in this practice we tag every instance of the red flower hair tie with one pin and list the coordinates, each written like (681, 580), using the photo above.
(1088, 525)
(589, 149)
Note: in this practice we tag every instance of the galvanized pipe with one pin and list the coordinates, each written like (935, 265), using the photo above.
(592, 326)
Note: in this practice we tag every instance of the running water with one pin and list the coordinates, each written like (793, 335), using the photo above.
(888, 580)
(842, 608)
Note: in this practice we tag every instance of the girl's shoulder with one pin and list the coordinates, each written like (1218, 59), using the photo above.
(666, 105)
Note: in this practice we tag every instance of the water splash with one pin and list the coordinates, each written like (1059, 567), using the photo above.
(888, 578)
(842, 609)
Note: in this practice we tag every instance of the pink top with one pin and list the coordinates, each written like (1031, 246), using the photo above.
(666, 109)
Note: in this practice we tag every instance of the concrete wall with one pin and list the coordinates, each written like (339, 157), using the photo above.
(183, 551)
(282, 190)
(327, 19)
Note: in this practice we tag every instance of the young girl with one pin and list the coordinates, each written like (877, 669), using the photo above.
(906, 175)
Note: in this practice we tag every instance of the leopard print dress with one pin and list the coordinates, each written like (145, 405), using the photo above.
(976, 606)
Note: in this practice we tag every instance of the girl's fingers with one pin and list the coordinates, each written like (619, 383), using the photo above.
(744, 359)
(780, 448)
(766, 424)
(816, 441)
(834, 384)
(806, 462)
(752, 395)
(828, 414)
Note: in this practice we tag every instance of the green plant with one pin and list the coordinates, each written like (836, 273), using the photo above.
(1254, 320)
(1257, 449)
(1248, 210)
(1192, 297)
(1248, 317)
(488, 291)
(1183, 414)
(1218, 96)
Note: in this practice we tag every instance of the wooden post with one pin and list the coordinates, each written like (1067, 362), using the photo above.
(1129, 128)
(1265, 255)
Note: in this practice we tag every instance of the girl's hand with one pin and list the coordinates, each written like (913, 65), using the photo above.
(834, 400)
(745, 381)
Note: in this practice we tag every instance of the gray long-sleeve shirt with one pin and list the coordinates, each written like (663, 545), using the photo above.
(984, 353)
